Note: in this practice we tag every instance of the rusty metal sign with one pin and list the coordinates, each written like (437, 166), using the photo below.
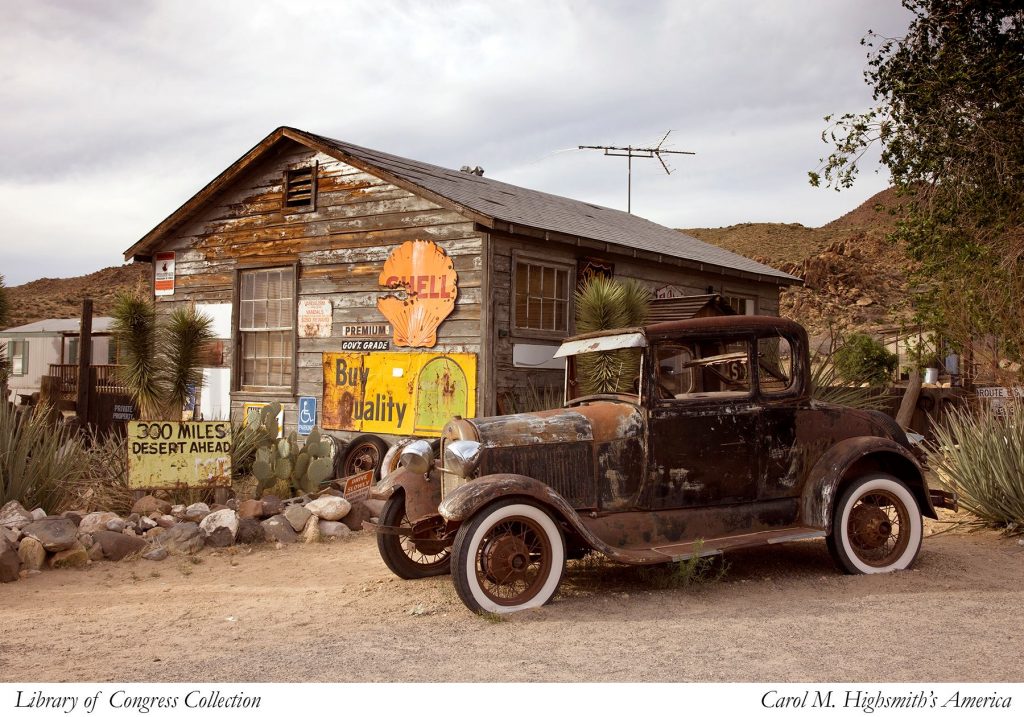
(423, 285)
(357, 488)
(163, 273)
(172, 454)
(315, 317)
(397, 393)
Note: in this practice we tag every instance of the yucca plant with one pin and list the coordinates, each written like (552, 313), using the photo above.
(603, 303)
(980, 455)
(160, 361)
(38, 459)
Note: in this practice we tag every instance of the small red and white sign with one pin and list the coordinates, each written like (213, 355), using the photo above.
(315, 317)
(357, 487)
(163, 276)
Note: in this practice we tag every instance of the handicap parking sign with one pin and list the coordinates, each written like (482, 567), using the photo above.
(307, 414)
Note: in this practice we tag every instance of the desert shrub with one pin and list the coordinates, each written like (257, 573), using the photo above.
(103, 485)
(827, 386)
(695, 571)
(980, 455)
(530, 398)
(861, 359)
(39, 459)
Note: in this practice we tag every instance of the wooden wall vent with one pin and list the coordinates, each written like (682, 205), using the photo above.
(300, 188)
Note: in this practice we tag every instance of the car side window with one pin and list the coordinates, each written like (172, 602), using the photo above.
(693, 370)
(774, 365)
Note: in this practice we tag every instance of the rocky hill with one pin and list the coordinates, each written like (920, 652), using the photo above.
(855, 278)
(62, 298)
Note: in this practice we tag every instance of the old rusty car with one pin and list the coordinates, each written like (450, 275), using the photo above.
(713, 443)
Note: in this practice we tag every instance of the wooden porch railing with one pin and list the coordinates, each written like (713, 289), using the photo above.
(66, 376)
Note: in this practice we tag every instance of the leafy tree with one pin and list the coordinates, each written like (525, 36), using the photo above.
(160, 361)
(5, 304)
(863, 360)
(949, 117)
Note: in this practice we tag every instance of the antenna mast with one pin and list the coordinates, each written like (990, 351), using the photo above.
(629, 152)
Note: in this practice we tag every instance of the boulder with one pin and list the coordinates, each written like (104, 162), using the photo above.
(118, 546)
(10, 563)
(95, 552)
(12, 515)
(95, 522)
(297, 515)
(157, 553)
(272, 505)
(38, 514)
(178, 511)
(117, 525)
(10, 535)
(277, 529)
(231, 503)
(332, 529)
(151, 504)
(166, 521)
(56, 534)
(74, 557)
(73, 515)
(196, 512)
(182, 538)
(250, 509)
(329, 507)
(355, 517)
(311, 533)
(220, 527)
(85, 539)
(147, 523)
(32, 554)
(153, 533)
(249, 531)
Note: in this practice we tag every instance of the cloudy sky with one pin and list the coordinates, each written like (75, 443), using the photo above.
(114, 113)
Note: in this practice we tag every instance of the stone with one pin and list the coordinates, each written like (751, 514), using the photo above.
(220, 527)
(32, 554)
(217, 506)
(332, 529)
(182, 538)
(329, 507)
(38, 514)
(86, 540)
(232, 503)
(74, 557)
(166, 521)
(118, 546)
(277, 529)
(12, 515)
(147, 523)
(272, 505)
(355, 517)
(250, 509)
(311, 533)
(376, 507)
(56, 534)
(865, 301)
(11, 535)
(117, 525)
(10, 563)
(297, 516)
(133, 519)
(73, 515)
(196, 512)
(151, 504)
(178, 511)
(153, 533)
(249, 531)
(95, 522)
(96, 552)
(157, 553)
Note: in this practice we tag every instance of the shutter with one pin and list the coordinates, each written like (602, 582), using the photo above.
(24, 357)
(111, 351)
(73, 351)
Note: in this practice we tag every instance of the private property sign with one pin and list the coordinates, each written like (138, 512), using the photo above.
(171, 454)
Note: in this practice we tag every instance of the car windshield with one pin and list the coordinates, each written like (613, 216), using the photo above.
(604, 372)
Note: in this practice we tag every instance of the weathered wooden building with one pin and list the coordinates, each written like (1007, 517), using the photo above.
(293, 240)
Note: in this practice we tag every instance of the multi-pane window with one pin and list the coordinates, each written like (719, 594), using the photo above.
(266, 325)
(541, 297)
(742, 305)
(17, 356)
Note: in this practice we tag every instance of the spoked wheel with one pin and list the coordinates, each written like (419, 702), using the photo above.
(365, 453)
(406, 557)
(876, 526)
(510, 556)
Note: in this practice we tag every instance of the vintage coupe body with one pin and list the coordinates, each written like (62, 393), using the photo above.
(715, 444)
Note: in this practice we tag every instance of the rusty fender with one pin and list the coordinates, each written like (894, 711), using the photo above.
(463, 502)
(862, 452)
(422, 493)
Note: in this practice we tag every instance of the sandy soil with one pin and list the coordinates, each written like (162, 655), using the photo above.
(333, 612)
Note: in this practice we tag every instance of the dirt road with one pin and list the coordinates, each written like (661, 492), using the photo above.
(333, 612)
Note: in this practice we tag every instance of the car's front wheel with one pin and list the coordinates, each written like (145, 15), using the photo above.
(510, 556)
(401, 553)
(876, 526)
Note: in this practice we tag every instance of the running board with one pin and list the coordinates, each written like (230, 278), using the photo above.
(700, 549)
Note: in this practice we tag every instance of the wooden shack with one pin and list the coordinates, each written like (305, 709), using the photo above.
(386, 294)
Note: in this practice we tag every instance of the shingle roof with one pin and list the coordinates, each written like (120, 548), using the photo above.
(543, 211)
(100, 324)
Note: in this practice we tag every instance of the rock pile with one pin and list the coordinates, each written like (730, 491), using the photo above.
(155, 529)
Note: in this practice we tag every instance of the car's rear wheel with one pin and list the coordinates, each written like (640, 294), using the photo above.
(401, 553)
(876, 526)
(510, 556)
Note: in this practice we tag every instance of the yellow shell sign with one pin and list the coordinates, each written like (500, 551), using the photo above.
(423, 280)
(397, 393)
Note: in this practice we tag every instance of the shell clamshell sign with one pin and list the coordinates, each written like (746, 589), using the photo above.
(422, 280)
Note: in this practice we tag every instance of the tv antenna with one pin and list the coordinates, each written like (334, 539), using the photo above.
(644, 152)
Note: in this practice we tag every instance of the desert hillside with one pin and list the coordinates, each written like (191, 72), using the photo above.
(855, 278)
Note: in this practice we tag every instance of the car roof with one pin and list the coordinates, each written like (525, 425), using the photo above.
(716, 324)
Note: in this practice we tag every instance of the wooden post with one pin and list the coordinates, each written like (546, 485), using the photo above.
(84, 362)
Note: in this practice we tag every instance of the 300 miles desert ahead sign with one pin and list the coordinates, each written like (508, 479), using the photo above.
(170, 454)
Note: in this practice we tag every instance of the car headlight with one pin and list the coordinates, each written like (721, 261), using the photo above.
(417, 457)
(462, 457)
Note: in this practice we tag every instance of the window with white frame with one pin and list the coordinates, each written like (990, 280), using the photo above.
(266, 327)
(17, 356)
(541, 295)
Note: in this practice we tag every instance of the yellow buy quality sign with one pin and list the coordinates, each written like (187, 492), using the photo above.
(397, 393)
(173, 454)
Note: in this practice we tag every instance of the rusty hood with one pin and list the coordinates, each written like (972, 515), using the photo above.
(602, 422)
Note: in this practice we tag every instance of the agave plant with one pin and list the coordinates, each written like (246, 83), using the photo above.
(603, 303)
(39, 459)
(829, 387)
(160, 361)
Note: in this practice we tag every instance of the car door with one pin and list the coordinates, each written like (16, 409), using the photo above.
(703, 424)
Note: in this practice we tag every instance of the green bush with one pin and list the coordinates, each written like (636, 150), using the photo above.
(861, 359)
(981, 457)
(39, 460)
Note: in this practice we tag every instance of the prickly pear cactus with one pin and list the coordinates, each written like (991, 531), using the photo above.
(282, 462)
